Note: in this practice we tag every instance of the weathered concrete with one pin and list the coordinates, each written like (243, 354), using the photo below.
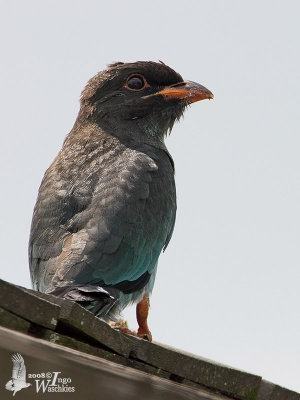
(205, 372)
(29, 307)
(65, 323)
(91, 377)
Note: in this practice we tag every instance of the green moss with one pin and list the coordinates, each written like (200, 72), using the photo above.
(251, 395)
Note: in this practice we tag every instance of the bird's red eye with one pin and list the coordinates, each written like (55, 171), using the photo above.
(136, 82)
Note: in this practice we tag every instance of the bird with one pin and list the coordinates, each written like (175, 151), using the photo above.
(106, 206)
(18, 380)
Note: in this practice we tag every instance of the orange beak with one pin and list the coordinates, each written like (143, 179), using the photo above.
(188, 91)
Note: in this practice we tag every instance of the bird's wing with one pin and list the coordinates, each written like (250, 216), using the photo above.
(108, 228)
(19, 369)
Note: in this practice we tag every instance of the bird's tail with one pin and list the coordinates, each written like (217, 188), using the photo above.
(101, 302)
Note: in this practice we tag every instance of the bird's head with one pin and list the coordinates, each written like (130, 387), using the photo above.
(142, 98)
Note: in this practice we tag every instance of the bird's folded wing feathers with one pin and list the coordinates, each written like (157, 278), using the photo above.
(110, 235)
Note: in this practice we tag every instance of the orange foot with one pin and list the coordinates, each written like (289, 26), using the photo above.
(143, 332)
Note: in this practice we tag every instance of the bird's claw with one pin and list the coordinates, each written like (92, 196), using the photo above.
(146, 335)
(142, 335)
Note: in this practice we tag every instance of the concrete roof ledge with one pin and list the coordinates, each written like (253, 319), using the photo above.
(43, 327)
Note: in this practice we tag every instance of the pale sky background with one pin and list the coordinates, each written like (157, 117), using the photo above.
(228, 285)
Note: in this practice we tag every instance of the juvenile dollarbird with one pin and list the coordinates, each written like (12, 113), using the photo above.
(106, 206)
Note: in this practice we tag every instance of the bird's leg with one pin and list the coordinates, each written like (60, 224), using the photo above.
(143, 332)
(142, 309)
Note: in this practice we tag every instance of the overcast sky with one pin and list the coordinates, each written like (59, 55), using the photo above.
(227, 287)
